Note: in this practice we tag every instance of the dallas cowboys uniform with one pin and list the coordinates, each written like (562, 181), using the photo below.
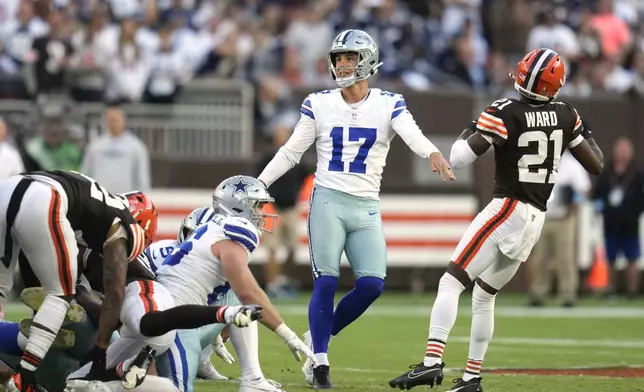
(194, 276)
(352, 142)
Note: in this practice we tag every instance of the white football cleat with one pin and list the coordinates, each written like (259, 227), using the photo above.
(260, 385)
(307, 368)
(207, 371)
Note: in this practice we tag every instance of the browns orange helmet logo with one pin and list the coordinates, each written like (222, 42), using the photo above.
(540, 75)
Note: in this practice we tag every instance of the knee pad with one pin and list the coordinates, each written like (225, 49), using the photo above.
(482, 301)
(325, 285)
(370, 286)
(449, 283)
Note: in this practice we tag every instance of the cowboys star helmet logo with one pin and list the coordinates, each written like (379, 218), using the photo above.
(240, 186)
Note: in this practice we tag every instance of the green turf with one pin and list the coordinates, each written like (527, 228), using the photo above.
(385, 341)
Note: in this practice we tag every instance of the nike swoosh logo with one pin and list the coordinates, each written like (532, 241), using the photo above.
(413, 375)
(373, 213)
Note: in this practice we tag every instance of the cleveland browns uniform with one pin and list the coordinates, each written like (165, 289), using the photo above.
(45, 214)
(528, 143)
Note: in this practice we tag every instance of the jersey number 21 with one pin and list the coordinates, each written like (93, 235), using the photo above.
(355, 134)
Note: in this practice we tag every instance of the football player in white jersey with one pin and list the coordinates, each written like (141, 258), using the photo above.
(248, 353)
(215, 255)
(157, 252)
(352, 128)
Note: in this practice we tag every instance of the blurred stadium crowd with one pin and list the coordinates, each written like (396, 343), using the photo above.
(145, 50)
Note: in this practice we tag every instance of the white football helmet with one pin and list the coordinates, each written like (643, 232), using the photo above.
(368, 56)
(245, 197)
(196, 218)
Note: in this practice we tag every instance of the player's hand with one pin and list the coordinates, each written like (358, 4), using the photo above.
(97, 358)
(294, 343)
(221, 351)
(242, 316)
(439, 164)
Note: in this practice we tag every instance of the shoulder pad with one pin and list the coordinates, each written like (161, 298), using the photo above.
(241, 231)
(307, 108)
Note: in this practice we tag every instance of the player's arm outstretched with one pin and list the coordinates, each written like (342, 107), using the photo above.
(403, 123)
(234, 261)
(585, 149)
(291, 152)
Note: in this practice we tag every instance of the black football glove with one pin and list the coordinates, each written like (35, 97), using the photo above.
(98, 359)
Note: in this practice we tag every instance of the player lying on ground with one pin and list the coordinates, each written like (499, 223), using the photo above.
(352, 128)
(245, 340)
(214, 255)
(42, 214)
(529, 136)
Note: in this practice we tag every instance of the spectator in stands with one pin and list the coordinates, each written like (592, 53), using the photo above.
(310, 22)
(168, 71)
(10, 160)
(20, 32)
(555, 249)
(613, 31)
(549, 33)
(286, 234)
(620, 197)
(118, 160)
(273, 100)
(52, 53)
(53, 150)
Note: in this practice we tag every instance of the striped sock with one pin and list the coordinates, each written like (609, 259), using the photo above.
(434, 352)
(472, 370)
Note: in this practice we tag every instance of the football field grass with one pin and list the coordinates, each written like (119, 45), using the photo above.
(527, 344)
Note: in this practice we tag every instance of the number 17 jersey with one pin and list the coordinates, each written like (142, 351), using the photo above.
(529, 142)
(352, 140)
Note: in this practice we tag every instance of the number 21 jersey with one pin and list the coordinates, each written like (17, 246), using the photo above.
(529, 142)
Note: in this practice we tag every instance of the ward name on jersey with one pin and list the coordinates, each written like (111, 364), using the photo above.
(352, 140)
(192, 273)
(92, 210)
(529, 142)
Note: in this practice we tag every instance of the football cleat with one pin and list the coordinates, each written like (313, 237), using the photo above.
(64, 339)
(473, 385)
(321, 377)
(207, 371)
(307, 368)
(135, 373)
(419, 375)
(260, 385)
(34, 297)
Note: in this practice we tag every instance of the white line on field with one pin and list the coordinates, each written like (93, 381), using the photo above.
(420, 311)
(500, 311)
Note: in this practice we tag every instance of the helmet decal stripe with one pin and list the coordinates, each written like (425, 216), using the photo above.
(535, 68)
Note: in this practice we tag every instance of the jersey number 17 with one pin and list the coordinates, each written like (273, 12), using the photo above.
(355, 134)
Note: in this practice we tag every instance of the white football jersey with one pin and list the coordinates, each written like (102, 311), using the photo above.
(191, 273)
(352, 140)
(158, 251)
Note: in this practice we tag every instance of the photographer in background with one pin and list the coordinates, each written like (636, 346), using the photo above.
(619, 195)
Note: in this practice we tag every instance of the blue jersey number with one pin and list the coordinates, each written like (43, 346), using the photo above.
(180, 252)
(355, 134)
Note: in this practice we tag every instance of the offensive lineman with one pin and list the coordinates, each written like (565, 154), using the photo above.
(214, 255)
(247, 352)
(352, 128)
(157, 252)
(529, 136)
(44, 214)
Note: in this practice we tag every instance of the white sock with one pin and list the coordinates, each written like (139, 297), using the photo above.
(443, 318)
(482, 331)
(206, 353)
(44, 328)
(246, 343)
(322, 359)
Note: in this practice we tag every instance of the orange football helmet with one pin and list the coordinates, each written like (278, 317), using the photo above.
(144, 213)
(540, 75)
